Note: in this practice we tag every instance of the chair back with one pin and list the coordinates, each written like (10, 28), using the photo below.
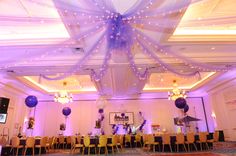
(54, 140)
(216, 136)
(78, 138)
(121, 139)
(150, 138)
(166, 138)
(127, 138)
(103, 140)
(73, 140)
(190, 137)
(203, 136)
(114, 139)
(86, 141)
(50, 141)
(15, 141)
(180, 138)
(30, 142)
(43, 141)
(61, 139)
(138, 138)
(68, 139)
(3, 141)
(145, 138)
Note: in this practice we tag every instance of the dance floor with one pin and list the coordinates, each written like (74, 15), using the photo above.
(140, 152)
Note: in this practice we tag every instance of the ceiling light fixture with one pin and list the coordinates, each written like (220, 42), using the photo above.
(176, 92)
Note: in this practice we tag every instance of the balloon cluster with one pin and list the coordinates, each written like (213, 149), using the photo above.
(115, 129)
(182, 104)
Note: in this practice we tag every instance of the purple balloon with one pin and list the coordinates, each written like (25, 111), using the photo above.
(31, 101)
(66, 111)
(180, 103)
(186, 108)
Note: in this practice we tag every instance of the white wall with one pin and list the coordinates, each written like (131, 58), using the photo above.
(16, 111)
(223, 102)
(48, 115)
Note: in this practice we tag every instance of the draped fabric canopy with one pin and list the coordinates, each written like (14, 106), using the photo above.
(108, 28)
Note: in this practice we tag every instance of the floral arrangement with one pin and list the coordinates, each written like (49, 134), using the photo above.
(127, 128)
(31, 123)
(62, 127)
(100, 118)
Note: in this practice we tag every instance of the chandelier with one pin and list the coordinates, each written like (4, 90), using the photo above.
(63, 96)
(176, 92)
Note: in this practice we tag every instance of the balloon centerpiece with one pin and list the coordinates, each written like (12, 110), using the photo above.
(31, 101)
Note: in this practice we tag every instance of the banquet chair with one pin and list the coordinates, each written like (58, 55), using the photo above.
(61, 141)
(128, 140)
(4, 142)
(145, 140)
(166, 141)
(50, 143)
(138, 140)
(191, 141)
(151, 142)
(68, 142)
(180, 140)
(15, 144)
(102, 143)
(214, 139)
(43, 144)
(75, 145)
(55, 142)
(30, 143)
(203, 140)
(88, 145)
(113, 144)
(78, 139)
(120, 142)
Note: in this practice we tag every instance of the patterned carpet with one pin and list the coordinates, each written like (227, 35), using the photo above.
(140, 152)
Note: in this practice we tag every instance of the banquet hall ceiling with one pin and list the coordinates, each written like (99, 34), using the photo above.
(34, 42)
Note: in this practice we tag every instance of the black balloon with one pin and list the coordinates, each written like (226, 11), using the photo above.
(186, 108)
(180, 103)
